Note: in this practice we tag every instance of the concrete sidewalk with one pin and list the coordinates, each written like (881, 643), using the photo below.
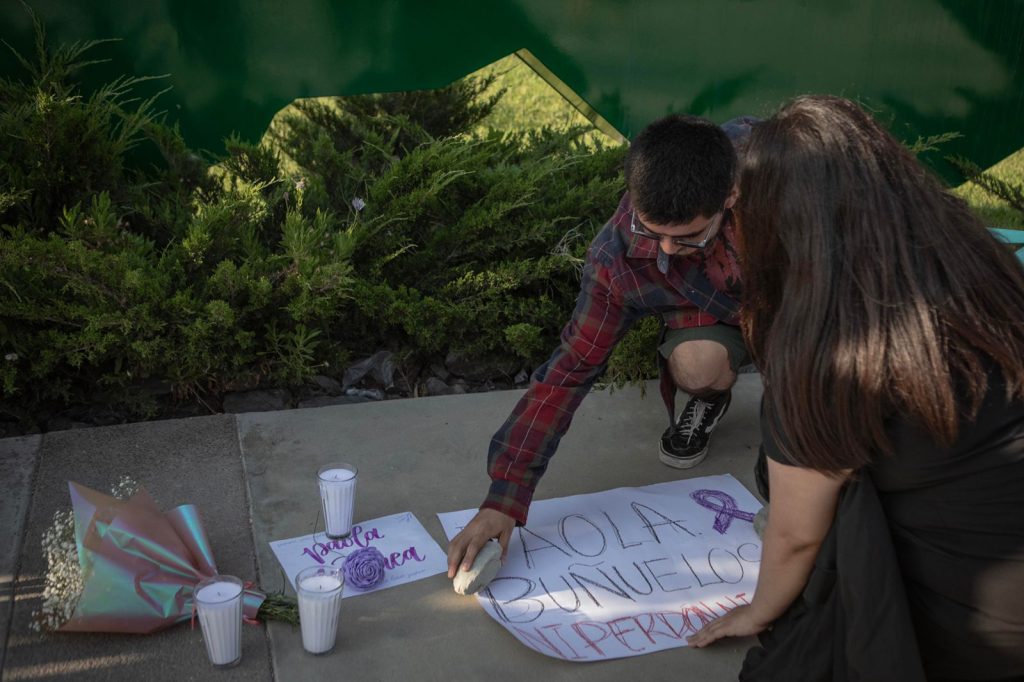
(252, 477)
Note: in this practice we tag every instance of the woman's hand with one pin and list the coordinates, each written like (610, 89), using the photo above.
(739, 622)
(803, 507)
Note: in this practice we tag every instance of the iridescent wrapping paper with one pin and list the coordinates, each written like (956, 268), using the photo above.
(139, 565)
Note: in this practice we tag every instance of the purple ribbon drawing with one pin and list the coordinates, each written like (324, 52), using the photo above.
(724, 505)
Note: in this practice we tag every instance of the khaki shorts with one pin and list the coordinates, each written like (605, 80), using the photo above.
(726, 334)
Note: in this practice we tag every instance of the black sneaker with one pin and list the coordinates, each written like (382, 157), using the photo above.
(685, 444)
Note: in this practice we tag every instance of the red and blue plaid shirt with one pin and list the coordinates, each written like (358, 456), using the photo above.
(623, 281)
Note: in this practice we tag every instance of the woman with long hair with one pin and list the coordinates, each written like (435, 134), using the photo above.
(888, 325)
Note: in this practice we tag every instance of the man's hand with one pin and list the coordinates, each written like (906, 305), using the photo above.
(740, 622)
(487, 524)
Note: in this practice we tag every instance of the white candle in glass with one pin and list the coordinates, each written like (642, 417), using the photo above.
(338, 495)
(319, 591)
(218, 603)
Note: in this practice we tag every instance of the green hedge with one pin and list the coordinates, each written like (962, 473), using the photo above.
(367, 223)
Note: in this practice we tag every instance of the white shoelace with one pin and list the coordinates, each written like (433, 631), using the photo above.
(693, 417)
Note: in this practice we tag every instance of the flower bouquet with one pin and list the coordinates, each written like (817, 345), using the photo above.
(116, 563)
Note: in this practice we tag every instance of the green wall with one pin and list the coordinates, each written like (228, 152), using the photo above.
(926, 66)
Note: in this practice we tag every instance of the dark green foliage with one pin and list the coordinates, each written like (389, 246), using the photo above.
(463, 240)
(932, 143)
(112, 277)
(344, 142)
(526, 340)
(635, 357)
(402, 230)
(77, 306)
(61, 147)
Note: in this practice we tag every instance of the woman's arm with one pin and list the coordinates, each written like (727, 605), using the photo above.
(802, 509)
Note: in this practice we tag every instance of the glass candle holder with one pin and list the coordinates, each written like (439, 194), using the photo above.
(319, 592)
(218, 603)
(338, 496)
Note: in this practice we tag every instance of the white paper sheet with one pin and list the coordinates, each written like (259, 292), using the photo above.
(627, 571)
(409, 551)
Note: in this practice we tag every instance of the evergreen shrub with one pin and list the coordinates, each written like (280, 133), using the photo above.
(378, 222)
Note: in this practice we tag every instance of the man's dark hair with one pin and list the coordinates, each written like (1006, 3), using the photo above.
(678, 168)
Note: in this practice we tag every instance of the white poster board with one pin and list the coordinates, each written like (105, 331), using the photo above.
(626, 571)
(409, 551)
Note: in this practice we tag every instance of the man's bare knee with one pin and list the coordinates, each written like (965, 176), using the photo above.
(701, 366)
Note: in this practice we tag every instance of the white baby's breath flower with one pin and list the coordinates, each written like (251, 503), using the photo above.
(63, 584)
(125, 487)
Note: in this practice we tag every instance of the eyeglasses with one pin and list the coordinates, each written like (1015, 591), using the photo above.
(640, 230)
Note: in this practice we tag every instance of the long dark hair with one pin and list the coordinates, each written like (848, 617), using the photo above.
(870, 291)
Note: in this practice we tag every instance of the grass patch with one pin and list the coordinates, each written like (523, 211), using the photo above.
(993, 211)
(530, 103)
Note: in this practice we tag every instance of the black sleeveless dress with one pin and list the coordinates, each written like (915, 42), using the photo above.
(955, 518)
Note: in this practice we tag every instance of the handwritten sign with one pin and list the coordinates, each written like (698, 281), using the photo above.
(627, 571)
(409, 551)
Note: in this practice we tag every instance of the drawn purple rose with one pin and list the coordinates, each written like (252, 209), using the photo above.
(364, 568)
